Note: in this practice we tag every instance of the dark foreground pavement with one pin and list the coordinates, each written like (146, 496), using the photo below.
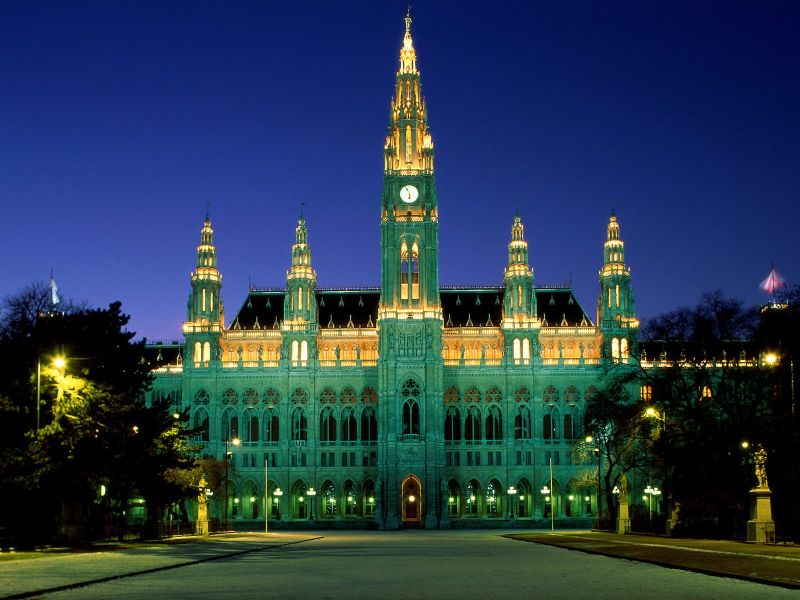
(774, 564)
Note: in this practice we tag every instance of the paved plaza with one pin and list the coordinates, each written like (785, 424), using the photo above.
(360, 564)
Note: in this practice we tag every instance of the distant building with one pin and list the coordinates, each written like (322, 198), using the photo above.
(407, 403)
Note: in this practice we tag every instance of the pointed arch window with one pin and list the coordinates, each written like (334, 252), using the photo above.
(198, 353)
(327, 425)
(526, 351)
(410, 393)
(271, 426)
(295, 352)
(569, 427)
(415, 272)
(200, 425)
(404, 271)
(494, 425)
(452, 425)
(303, 353)
(299, 425)
(623, 349)
(349, 425)
(549, 431)
(522, 423)
(517, 351)
(472, 425)
(369, 426)
(230, 425)
(206, 352)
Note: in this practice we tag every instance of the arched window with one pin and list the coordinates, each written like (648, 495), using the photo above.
(251, 426)
(328, 396)
(303, 353)
(522, 423)
(415, 272)
(327, 425)
(549, 427)
(230, 425)
(351, 495)
(491, 500)
(452, 424)
(615, 349)
(299, 396)
(470, 500)
(403, 271)
(295, 352)
(569, 433)
(250, 397)
(369, 425)
(271, 426)
(299, 425)
(623, 349)
(526, 351)
(646, 393)
(206, 352)
(330, 500)
(349, 425)
(198, 353)
(200, 425)
(410, 394)
(472, 425)
(517, 351)
(494, 425)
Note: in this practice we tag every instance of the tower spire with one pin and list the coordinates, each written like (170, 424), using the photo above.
(409, 145)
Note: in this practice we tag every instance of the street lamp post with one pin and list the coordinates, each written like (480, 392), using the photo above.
(512, 493)
(651, 491)
(545, 491)
(277, 501)
(235, 442)
(311, 492)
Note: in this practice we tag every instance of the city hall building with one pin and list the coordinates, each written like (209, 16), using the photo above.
(407, 404)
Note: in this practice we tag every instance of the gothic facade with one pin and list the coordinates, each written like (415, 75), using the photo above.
(408, 404)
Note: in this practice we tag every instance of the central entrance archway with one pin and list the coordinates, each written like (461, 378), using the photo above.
(412, 499)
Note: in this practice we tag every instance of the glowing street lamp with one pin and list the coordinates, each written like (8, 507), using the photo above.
(277, 501)
(311, 492)
(651, 491)
(59, 363)
(512, 492)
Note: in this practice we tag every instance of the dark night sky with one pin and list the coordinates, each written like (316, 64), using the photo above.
(120, 122)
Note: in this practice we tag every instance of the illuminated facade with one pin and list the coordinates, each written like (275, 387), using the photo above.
(407, 404)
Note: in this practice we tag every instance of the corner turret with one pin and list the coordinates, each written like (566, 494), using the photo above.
(205, 311)
(616, 313)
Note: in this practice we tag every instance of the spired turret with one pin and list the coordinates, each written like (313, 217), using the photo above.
(205, 311)
(519, 304)
(615, 306)
(300, 322)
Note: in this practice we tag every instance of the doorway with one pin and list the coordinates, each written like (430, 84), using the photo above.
(412, 499)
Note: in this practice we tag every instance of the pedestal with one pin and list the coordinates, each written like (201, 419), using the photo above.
(623, 519)
(761, 527)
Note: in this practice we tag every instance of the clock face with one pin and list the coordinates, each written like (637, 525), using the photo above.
(408, 194)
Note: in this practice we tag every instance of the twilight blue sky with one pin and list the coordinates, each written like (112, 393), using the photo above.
(120, 121)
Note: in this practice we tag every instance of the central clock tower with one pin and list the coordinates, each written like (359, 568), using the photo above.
(411, 447)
